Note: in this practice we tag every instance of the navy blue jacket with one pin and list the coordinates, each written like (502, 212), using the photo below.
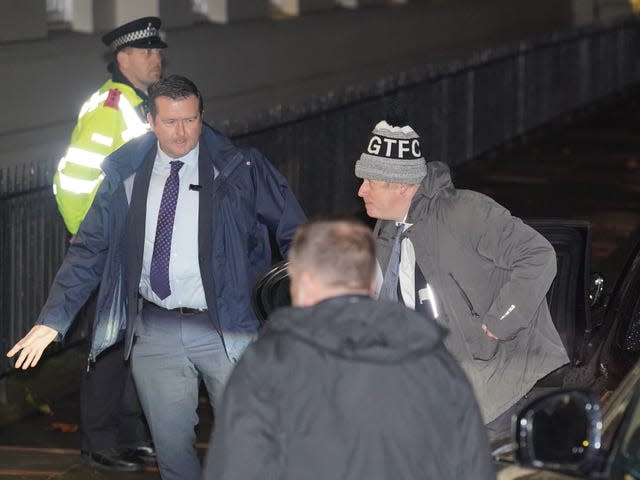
(247, 199)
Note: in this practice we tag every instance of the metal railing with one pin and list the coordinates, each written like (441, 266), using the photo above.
(461, 109)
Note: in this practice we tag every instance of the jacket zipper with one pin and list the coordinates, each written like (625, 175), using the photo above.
(465, 297)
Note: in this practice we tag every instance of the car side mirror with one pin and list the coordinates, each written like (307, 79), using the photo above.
(596, 290)
(560, 431)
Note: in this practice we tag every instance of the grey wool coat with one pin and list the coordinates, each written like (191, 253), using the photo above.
(485, 267)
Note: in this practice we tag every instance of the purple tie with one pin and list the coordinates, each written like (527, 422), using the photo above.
(389, 288)
(159, 275)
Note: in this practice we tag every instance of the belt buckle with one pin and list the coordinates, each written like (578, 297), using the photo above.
(188, 311)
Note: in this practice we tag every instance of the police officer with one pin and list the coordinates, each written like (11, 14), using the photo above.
(114, 435)
(110, 117)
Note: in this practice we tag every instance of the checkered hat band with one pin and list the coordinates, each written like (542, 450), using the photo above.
(133, 36)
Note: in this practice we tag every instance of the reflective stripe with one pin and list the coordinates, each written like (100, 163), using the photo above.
(432, 301)
(135, 126)
(75, 185)
(93, 102)
(426, 294)
(129, 134)
(102, 139)
(78, 156)
(509, 310)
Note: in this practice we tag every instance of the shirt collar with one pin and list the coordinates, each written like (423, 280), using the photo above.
(404, 223)
(190, 158)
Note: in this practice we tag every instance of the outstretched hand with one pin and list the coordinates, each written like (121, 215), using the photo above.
(32, 345)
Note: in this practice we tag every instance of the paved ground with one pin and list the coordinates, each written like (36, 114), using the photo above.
(586, 167)
(46, 445)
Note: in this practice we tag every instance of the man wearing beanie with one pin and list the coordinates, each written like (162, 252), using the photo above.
(113, 431)
(461, 259)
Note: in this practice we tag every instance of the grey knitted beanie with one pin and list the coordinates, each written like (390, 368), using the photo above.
(393, 155)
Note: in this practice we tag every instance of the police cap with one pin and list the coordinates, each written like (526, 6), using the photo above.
(140, 33)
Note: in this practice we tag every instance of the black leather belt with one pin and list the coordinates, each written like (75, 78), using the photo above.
(179, 310)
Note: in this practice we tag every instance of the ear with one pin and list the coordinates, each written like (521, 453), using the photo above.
(306, 289)
(372, 287)
(306, 280)
(122, 58)
(150, 120)
(404, 188)
(408, 189)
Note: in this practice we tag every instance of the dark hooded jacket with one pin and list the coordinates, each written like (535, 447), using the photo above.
(484, 266)
(348, 389)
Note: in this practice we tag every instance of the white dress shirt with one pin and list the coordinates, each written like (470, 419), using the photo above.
(407, 277)
(184, 268)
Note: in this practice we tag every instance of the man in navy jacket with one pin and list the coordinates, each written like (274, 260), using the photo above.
(176, 236)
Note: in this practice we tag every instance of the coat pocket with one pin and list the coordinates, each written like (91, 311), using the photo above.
(465, 297)
(478, 343)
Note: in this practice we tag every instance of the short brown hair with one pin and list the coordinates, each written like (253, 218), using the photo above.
(176, 87)
(340, 252)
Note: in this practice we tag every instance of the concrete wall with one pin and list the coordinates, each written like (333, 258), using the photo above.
(22, 20)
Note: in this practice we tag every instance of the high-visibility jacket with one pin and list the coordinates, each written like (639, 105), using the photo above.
(108, 119)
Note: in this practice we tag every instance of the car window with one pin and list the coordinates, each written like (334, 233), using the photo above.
(566, 297)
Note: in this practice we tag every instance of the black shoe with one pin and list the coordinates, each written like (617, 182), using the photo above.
(145, 453)
(112, 459)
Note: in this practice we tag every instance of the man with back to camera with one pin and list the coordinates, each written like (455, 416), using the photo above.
(176, 236)
(460, 258)
(342, 386)
(114, 435)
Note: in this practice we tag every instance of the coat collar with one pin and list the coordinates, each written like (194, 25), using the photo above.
(437, 180)
(128, 159)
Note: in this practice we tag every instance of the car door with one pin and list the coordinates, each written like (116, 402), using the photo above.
(568, 295)
(621, 346)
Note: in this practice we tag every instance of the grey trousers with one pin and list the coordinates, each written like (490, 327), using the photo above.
(170, 354)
